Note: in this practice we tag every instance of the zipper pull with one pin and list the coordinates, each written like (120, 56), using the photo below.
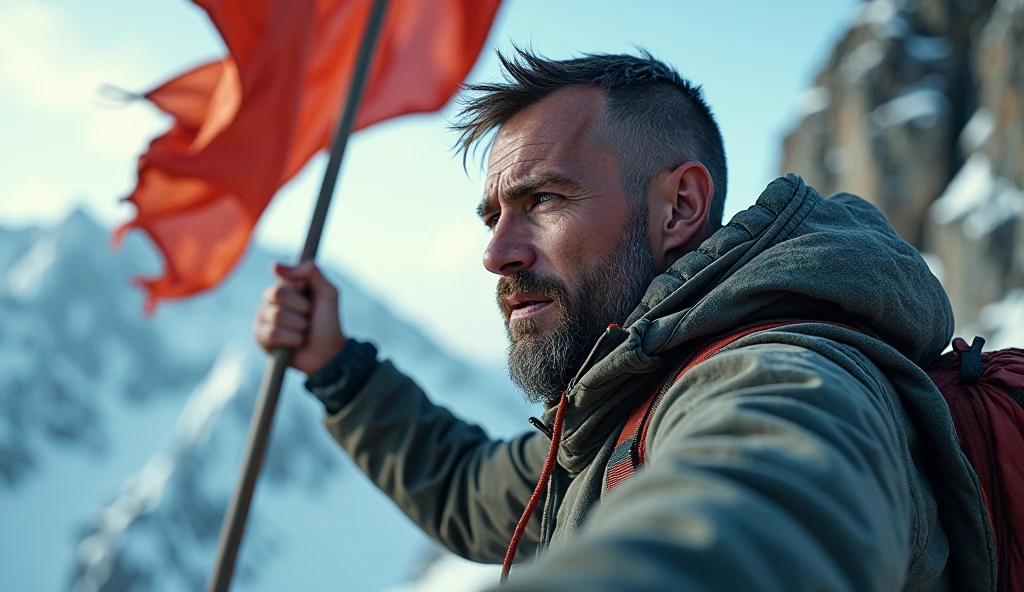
(537, 423)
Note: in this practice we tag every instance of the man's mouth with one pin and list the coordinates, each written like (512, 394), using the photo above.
(524, 305)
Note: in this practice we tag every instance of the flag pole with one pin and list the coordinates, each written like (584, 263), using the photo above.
(270, 389)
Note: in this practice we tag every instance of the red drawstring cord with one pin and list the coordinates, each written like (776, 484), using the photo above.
(545, 475)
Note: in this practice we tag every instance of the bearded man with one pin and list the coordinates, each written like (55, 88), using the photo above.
(815, 455)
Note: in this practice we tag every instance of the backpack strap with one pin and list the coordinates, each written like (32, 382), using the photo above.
(630, 449)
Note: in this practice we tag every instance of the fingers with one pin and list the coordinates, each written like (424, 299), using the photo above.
(283, 318)
(300, 312)
(288, 295)
(322, 289)
(270, 337)
(309, 274)
(288, 272)
(280, 327)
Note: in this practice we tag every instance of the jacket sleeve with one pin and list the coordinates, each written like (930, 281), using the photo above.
(462, 488)
(768, 467)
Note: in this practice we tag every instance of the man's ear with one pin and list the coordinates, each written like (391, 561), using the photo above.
(682, 198)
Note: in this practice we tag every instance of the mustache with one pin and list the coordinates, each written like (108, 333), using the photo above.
(530, 281)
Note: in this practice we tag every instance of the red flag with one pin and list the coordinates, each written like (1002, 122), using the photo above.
(244, 125)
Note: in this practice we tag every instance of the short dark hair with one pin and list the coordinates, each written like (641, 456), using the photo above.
(657, 118)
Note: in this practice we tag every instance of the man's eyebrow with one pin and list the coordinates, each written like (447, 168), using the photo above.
(527, 186)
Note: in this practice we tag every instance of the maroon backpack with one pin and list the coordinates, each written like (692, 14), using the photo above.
(985, 395)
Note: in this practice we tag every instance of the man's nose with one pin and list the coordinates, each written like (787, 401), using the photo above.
(510, 249)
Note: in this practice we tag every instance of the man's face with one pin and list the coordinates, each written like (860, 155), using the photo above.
(573, 251)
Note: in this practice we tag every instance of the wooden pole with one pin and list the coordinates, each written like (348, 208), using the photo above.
(263, 416)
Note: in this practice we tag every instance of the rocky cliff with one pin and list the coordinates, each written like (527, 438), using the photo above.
(920, 110)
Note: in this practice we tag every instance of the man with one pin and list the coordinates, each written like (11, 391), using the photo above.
(814, 456)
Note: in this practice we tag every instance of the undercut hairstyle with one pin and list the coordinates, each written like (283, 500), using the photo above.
(654, 120)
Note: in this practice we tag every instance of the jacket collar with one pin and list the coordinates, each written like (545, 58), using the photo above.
(620, 368)
(792, 254)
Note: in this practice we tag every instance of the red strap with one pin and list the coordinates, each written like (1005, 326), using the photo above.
(635, 430)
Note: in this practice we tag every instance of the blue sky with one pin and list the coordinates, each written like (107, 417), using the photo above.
(402, 222)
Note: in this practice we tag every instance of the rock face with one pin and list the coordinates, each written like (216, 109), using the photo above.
(919, 111)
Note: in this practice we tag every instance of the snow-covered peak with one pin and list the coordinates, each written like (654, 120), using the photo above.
(202, 410)
(25, 278)
(38, 260)
(122, 435)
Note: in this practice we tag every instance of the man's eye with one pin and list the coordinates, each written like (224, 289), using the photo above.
(545, 197)
(491, 221)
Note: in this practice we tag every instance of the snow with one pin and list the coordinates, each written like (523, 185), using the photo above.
(98, 552)
(15, 242)
(936, 266)
(978, 198)
(452, 574)
(882, 16)
(968, 190)
(922, 105)
(977, 131)
(122, 436)
(25, 278)
(876, 11)
(1005, 205)
(139, 499)
(202, 410)
(82, 317)
(814, 100)
(1003, 322)
(862, 60)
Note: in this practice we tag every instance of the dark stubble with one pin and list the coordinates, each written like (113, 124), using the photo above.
(606, 293)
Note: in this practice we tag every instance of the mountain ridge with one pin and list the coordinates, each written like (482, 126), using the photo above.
(94, 394)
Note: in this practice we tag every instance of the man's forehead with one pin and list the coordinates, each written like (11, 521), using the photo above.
(552, 131)
(569, 115)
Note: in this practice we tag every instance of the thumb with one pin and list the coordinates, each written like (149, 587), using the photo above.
(307, 273)
(323, 289)
(293, 273)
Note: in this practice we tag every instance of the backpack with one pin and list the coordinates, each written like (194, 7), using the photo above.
(985, 396)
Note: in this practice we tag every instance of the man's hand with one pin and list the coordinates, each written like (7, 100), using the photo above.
(291, 316)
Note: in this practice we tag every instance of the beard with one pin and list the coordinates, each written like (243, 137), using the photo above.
(606, 292)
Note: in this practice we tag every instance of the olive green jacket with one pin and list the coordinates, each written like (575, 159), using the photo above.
(810, 457)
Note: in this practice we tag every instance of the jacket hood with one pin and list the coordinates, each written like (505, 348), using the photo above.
(792, 255)
(797, 255)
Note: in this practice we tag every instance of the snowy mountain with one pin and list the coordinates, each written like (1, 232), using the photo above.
(121, 436)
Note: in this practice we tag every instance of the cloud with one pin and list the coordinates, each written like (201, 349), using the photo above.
(68, 147)
(122, 133)
(49, 66)
(47, 63)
